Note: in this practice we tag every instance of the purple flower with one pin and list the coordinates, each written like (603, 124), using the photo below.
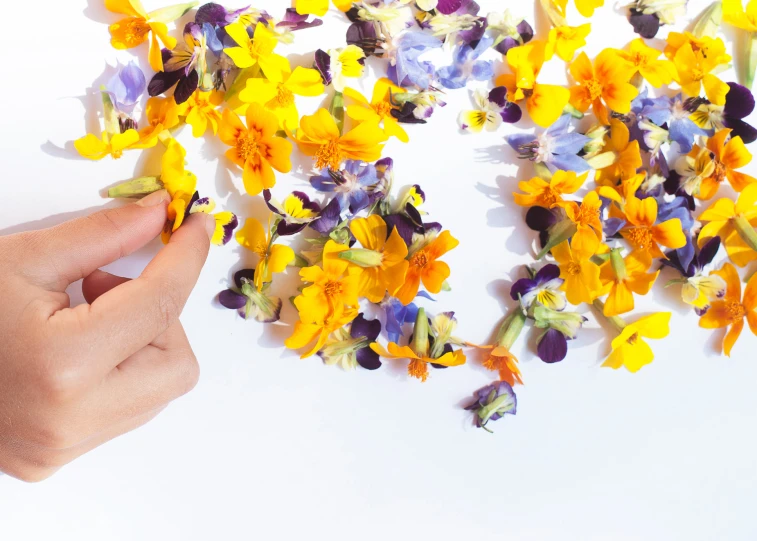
(509, 111)
(248, 301)
(361, 328)
(350, 348)
(493, 402)
(552, 346)
(297, 211)
(126, 88)
(293, 21)
(354, 185)
(397, 314)
(679, 208)
(466, 66)
(646, 25)
(543, 288)
(555, 147)
(675, 112)
(698, 263)
(405, 68)
(739, 104)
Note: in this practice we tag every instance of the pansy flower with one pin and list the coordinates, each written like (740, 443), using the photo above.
(603, 85)
(493, 402)
(297, 211)
(697, 289)
(732, 309)
(552, 345)
(492, 109)
(507, 31)
(538, 191)
(351, 347)
(739, 104)
(621, 278)
(545, 103)
(545, 288)
(256, 51)
(248, 301)
(555, 147)
(466, 66)
(135, 29)
(319, 137)
(255, 147)
(271, 257)
(646, 16)
(424, 266)
(377, 110)
(278, 96)
(579, 273)
(629, 350)
(336, 66)
(564, 41)
(734, 223)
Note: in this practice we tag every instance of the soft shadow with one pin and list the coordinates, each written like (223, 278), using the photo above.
(508, 215)
(95, 11)
(56, 219)
(67, 151)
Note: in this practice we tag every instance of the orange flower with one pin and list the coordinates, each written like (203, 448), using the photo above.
(587, 221)
(644, 235)
(256, 150)
(732, 309)
(541, 193)
(726, 158)
(603, 85)
(625, 156)
(425, 267)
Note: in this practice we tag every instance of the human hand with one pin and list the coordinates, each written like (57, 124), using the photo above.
(74, 378)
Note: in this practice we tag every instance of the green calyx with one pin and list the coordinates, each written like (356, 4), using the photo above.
(559, 233)
(362, 257)
(745, 231)
(618, 264)
(420, 334)
(138, 187)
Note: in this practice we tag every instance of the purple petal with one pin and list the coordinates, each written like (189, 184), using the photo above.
(363, 328)
(244, 275)
(363, 34)
(708, 252)
(403, 224)
(329, 218)
(540, 218)
(611, 226)
(525, 31)
(521, 287)
(511, 113)
(644, 25)
(448, 7)
(506, 44)
(368, 359)
(547, 273)
(322, 63)
(741, 129)
(552, 347)
(186, 87)
(569, 162)
(739, 101)
(286, 229)
(232, 300)
(211, 13)
(163, 81)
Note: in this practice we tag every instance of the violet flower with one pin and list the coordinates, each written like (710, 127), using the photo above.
(543, 289)
(248, 301)
(698, 289)
(739, 104)
(466, 66)
(555, 147)
(508, 32)
(125, 88)
(676, 113)
(296, 211)
(552, 346)
(352, 348)
(493, 402)
(405, 68)
(705, 256)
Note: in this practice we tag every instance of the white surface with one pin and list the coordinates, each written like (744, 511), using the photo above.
(271, 447)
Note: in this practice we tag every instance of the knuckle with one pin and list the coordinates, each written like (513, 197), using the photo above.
(170, 306)
(59, 384)
(53, 435)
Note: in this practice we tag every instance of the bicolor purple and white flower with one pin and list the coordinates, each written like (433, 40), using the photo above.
(492, 109)
(543, 289)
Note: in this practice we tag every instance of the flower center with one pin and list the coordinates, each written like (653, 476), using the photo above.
(735, 310)
(586, 215)
(640, 237)
(549, 197)
(633, 338)
(720, 169)
(418, 369)
(382, 109)
(136, 30)
(329, 155)
(284, 97)
(594, 88)
(419, 259)
(697, 74)
(333, 288)
(247, 146)
(261, 249)
(573, 268)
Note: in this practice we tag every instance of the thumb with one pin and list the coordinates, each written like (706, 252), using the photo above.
(73, 250)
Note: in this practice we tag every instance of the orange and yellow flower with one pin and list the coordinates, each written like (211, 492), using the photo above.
(603, 85)
(201, 111)
(565, 41)
(580, 274)
(624, 155)
(695, 59)
(645, 235)
(256, 51)
(331, 286)
(734, 223)
(628, 348)
(379, 109)
(539, 192)
(586, 217)
(271, 257)
(425, 267)
(717, 162)
(621, 278)
(647, 63)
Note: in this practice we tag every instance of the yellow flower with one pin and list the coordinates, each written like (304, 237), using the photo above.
(278, 96)
(623, 154)
(695, 59)
(587, 7)
(646, 61)
(734, 224)
(539, 192)
(319, 7)
(94, 148)
(309, 329)
(378, 109)
(556, 9)
(272, 257)
(257, 50)
(704, 169)
(380, 262)
(545, 103)
(603, 85)
(621, 278)
(732, 309)
(566, 40)
(319, 137)
(256, 150)
(735, 14)
(201, 111)
(138, 25)
(424, 266)
(580, 273)
(645, 235)
(586, 218)
(162, 115)
(331, 288)
(628, 348)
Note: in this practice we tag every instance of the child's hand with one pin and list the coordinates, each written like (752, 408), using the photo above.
(73, 378)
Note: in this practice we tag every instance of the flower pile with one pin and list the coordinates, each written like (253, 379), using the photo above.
(638, 188)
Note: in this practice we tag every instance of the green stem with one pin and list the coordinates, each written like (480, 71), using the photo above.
(618, 265)
(337, 111)
(751, 59)
(745, 231)
(615, 321)
(559, 233)
(511, 328)
(420, 334)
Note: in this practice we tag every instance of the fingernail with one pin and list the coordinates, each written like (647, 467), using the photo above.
(210, 225)
(154, 199)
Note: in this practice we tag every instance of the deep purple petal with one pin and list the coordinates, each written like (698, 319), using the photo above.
(363, 34)
(286, 229)
(521, 287)
(329, 218)
(186, 87)
(741, 129)
(322, 63)
(403, 224)
(511, 113)
(448, 7)
(644, 25)
(553, 346)
(708, 252)
(232, 300)
(506, 44)
(525, 30)
(364, 328)
(368, 359)
(244, 275)
(546, 273)
(163, 81)
(540, 218)
(739, 101)
(211, 13)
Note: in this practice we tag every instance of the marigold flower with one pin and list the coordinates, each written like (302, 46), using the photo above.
(257, 50)
(378, 109)
(138, 25)
(256, 149)
(603, 85)
(579, 272)
(732, 309)
(330, 286)
(695, 58)
(586, 218)
(646, 62)
(734, 224)
(565, 41)
(278, 96)
(308, 330)
(644, 234)
(545, 103)
(545, 194)
(424, 266)
(272, 257)
(319, 137)
(498, 356)
(201, 111)
(623, 155)
(162, 115)
(621, 278)
(628, 348)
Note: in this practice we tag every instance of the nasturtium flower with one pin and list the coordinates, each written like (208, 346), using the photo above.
(319, 137)
(418, 352)
(201, 111)
(739, 104)
(545, 289)
(381, 258)
(622, 277)
(271, 257)
(579, 273)
(424, 266)
(138, 25)
(379, 109)
(111, 144)
(603, 85)
(493, 402)
(248, 301)
(256, 148)
(351, 347)
(697, 289)
(545, 103)
(336, 66)
(586, 218)
(643, 232)
(257, 50)
(734, 224)
(628, 348)
(320, 7)
(622, 155)
(647, 63)
(732, 309)
(695, 59)
(538, 191)
(331, 287)
(278, 96)
(565, 41)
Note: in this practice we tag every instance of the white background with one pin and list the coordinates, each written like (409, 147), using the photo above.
(272, 447)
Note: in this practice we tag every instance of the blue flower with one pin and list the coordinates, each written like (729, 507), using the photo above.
(406, 69)
(354, 185)
(675, 112)
(126, 88)
(555, 147)
(466, 66)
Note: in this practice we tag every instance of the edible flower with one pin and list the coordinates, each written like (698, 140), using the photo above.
(493, 402)
(248, 301)
(555, 147)
(256, 51)
(628, 348)
(644, 234)
(694, 67)
(271, 257)
(331, 288)
(379, 109)
(201, 111)
(621, 278)
(351, 347)
(545, 289)
(424, 266)
(646, 62)
(336, 66)
(603, 85)
(579, 273)
(565, 41)
(538, 191)
(734, 224)
(697, 289)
